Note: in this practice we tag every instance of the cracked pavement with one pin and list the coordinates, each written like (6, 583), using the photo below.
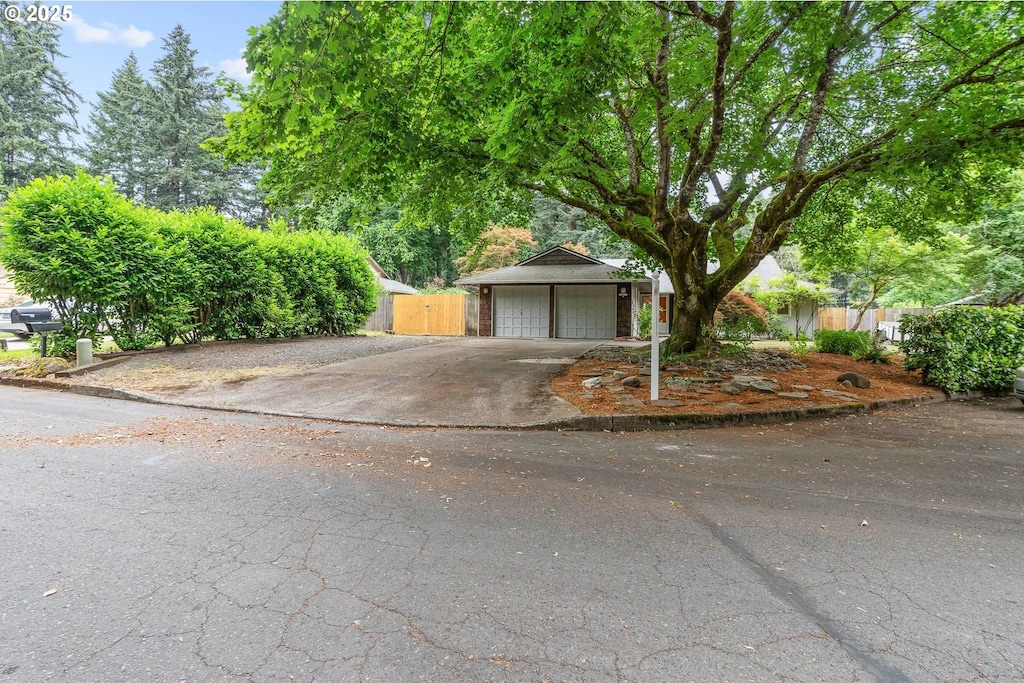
(148, 543)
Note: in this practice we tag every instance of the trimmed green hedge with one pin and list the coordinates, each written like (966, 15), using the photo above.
(964, 348)
(147, 276)
(841, 342)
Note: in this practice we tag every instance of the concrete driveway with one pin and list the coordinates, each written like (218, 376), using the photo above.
(467, 382)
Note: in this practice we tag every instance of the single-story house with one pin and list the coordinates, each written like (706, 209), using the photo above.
(8, 294)
(557, 293)
(563, 294)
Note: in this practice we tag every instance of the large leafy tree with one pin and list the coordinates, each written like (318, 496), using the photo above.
(690, 129)
(879, 262)
(994, 270)
(37, 105)
(499, 246)
(416, 252)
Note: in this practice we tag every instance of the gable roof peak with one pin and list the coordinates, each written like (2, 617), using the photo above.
(568, 253)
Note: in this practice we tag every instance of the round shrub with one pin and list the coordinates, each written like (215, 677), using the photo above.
(739, 318)
(963, 348)
(842, 342)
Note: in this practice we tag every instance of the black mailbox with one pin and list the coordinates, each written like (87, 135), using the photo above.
(35, 319)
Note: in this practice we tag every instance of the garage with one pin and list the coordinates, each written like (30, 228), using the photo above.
(557, 293)
(585, 311)
(521, 311)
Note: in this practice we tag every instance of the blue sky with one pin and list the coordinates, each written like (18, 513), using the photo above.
(102, 34)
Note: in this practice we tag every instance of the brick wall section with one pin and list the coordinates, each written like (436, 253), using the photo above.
(551, 311)
(485, 311)
(623, 311)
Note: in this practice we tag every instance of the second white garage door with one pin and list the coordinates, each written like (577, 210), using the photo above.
(585, 311)
(521, 311)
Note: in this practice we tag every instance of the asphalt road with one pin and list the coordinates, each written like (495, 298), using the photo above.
(144, 543)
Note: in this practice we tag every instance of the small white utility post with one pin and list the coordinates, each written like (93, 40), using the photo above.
(655, 337)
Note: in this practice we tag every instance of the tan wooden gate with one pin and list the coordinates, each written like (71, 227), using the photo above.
(442, 314)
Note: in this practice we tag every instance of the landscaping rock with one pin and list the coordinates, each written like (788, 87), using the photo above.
(591, 374)
(630, 401)
(646, 371)
(666, 403)
(616, 389)
(44, 367)
(792, 394)
(731, 388)
(846, 384)
(678, 384)
(840, 394)
(856, 379)
(632, 381)
(761, 385)
(730, 406)
(618, 374)
(592, 383)
(586, 394)
(803, 387)
(712, 374)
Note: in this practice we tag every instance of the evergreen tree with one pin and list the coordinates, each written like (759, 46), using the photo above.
(555, 223)
(185, 110)
(117, 136)
(37, 105)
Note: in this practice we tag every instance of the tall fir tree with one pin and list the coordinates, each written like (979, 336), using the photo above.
(116, 137)
(186, 108)
(37, 105)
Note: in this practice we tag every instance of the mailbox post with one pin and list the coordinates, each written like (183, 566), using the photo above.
(39, 320)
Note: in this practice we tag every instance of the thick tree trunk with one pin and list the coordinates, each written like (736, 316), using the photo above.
(693, 313)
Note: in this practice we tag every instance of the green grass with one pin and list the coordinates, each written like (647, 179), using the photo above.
(14, 356)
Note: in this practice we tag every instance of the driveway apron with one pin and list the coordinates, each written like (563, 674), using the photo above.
(468, 382)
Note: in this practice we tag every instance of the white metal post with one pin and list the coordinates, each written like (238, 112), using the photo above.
(655, 336)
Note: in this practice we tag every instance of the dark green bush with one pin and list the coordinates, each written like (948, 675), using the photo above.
(842, 342)
(94, 254)
(227, 289)
(327, 277)
(876, 353)
(964, 348)
(146, 276)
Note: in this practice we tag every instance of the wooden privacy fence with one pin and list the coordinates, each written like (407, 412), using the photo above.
(443, 314)
(843, 318)
(382, 319)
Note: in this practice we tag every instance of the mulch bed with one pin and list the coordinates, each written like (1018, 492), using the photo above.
(779, 368)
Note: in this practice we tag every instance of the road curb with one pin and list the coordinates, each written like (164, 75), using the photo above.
(582, 423)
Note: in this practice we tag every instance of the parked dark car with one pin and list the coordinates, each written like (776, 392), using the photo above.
(18, 329)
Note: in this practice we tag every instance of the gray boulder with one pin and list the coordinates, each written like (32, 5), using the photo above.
(731, 388)
(592, 383)
(631, 381)
(761, 385)
(855, 379)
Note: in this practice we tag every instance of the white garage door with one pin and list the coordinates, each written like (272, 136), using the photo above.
(585, 311)
(521, 311)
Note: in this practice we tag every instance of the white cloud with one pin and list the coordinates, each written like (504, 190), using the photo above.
(235, 68)
(109, 33)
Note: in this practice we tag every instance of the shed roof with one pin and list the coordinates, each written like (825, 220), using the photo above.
(386, 283)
